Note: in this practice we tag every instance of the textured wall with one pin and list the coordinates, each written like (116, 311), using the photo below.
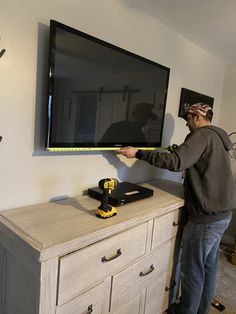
(28, 174)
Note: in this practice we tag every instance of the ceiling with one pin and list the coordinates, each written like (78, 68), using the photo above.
(211, 24)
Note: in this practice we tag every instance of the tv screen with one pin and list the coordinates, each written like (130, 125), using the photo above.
(101, 96)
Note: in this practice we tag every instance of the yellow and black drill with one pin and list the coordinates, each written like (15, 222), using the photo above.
(107, 185)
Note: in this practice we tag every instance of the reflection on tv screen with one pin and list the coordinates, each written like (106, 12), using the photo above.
(100, 95)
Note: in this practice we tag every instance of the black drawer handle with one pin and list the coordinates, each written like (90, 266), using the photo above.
(176, 224)
(141, 274)
(173, 285)
(108, 259)
(90, 309)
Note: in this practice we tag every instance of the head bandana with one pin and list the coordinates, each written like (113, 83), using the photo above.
(199, 108)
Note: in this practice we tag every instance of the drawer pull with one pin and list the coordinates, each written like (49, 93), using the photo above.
(90, 309)
(108, 259)
(141, 274)
(176, 224)
(173, 285)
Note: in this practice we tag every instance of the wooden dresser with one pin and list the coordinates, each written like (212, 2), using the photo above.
(59, 258)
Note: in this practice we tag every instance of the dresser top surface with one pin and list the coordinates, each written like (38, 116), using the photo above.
(48, 226)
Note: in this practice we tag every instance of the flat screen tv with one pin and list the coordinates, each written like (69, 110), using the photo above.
(100, 96)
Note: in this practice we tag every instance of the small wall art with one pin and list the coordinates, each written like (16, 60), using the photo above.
(189, 97)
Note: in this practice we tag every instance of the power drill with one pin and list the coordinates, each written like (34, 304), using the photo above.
(107, 185)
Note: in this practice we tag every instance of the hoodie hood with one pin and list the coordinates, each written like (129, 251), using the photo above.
(223, 136)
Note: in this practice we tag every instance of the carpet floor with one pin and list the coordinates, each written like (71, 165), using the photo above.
(225, 286)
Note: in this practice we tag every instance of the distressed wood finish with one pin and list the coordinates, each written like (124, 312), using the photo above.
(129, 282)
(51, 254)
(165, 228)
(88, 265)
(157, 297)
(57, 228)
(91, 299)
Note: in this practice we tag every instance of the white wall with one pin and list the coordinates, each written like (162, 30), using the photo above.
(30, 175)
(228, 110)
(227, 121)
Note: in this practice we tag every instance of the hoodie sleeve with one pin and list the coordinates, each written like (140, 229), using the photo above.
(185, 156)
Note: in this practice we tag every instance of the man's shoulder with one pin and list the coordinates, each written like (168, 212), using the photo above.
(209, 130)
(215, 134)
(213, 131)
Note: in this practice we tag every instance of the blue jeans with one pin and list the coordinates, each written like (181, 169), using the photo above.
(200, 247)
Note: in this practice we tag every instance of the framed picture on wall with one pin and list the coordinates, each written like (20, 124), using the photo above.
(189, 97)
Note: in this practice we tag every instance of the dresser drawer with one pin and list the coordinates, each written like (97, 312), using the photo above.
(84, 268)
(157, 295)
(129, 282)
(89, 302)
(165, 228)
(130, 307)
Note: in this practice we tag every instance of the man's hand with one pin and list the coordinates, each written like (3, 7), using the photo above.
(128, 151)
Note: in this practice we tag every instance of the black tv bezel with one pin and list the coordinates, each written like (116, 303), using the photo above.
(55, 147)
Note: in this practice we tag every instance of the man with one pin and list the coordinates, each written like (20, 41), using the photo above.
(130, 130)
(210, 196)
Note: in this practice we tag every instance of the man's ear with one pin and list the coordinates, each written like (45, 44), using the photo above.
(198, 117)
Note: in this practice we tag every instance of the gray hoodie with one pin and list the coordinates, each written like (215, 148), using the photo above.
(209, 188)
